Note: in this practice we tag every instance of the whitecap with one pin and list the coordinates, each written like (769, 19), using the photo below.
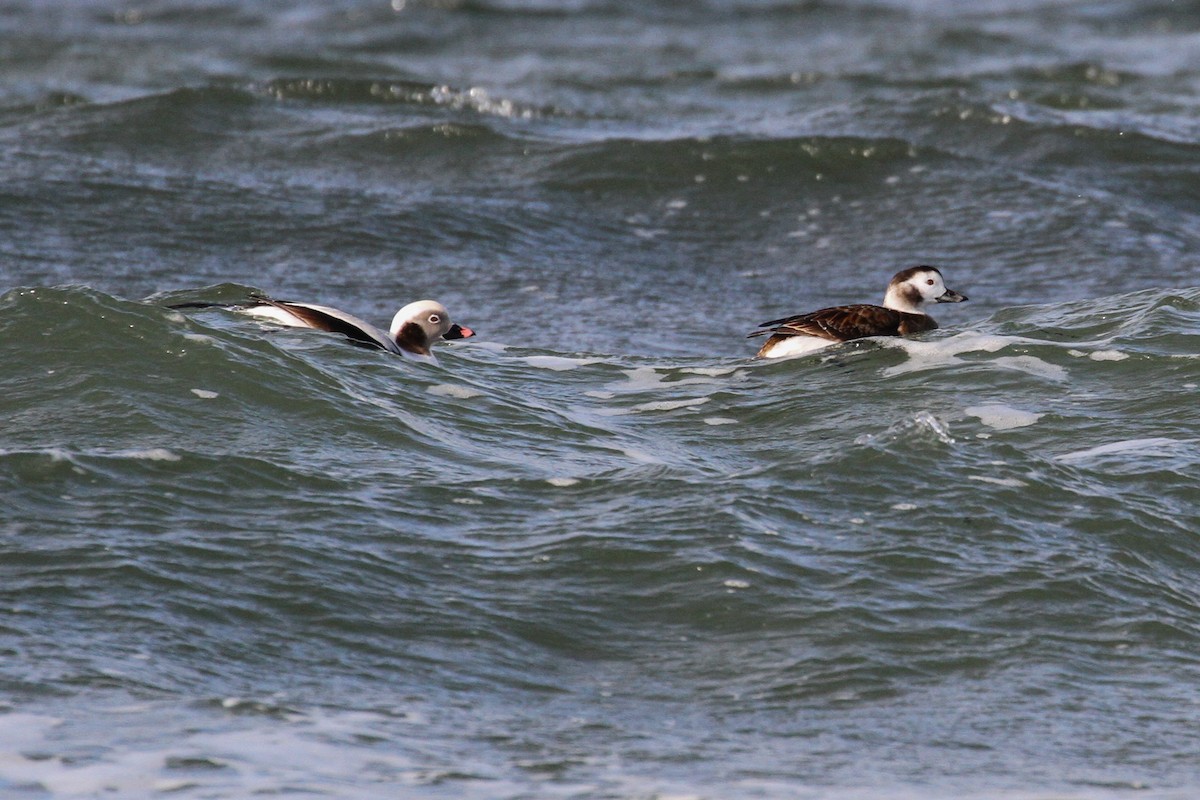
(720, 421)
(205, 394)
(562, 481)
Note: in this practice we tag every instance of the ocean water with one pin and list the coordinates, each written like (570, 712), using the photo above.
(599, 551)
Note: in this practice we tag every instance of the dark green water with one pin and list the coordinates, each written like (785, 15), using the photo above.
(597, 551)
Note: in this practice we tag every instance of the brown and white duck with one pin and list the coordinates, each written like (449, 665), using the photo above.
(414, 330)
(902, 313)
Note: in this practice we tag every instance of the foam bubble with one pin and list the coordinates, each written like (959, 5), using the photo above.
(1002, 417)
(1108, 355)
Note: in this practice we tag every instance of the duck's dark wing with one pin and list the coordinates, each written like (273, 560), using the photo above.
(324, 318)
(843, 323)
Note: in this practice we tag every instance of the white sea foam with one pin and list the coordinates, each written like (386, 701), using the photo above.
(1002, 417)
(1033, 366)
(559, 363)
(720, 421)
(1108, 355)
(272, 758)
(562, 481)
(151, 454)
(1013, 482)
(1154, 446)
(670, 405)
(641, 456)
(205, 394)
(651, 378)
(923, 355)
(712, 372)
(57, 454)
(17, 729)
(488, 345)
(450, 390)
(1098, 355)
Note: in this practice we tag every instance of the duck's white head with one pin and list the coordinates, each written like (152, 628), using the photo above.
(913, 288)
(418, 325)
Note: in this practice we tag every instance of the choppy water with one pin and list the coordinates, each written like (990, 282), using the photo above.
(598, 551)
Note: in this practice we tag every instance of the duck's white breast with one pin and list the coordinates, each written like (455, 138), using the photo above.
(797, 346)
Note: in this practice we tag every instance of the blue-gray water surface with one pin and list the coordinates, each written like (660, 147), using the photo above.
(599, 551)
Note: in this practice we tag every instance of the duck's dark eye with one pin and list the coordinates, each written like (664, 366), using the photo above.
(929, 282)
(435, 319)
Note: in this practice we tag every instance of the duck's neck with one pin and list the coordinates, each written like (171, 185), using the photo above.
(904, 298)
(412, 338)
